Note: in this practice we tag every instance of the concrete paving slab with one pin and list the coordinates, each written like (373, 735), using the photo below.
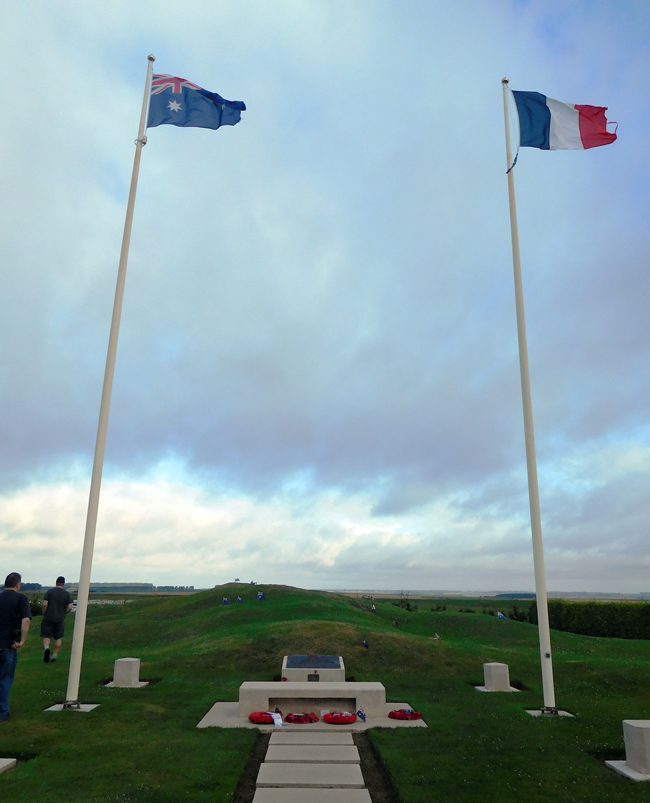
(311, 737)
(7, 764)
(84, 708)
(485, 688)
(537, 712)
(138, 684)
(312, 795)
(313, 753)
(225, 715)
(623, 768)
(309, 776)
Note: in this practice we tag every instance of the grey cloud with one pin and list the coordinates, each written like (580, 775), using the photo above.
(325, 290)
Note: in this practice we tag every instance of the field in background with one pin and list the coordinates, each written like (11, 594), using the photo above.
(144, 745)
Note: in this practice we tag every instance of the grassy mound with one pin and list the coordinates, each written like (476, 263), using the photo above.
(144, 744)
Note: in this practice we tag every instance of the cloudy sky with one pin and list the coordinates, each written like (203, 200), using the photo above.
(317, 380)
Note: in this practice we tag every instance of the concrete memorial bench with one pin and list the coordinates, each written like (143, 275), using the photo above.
(305, 695)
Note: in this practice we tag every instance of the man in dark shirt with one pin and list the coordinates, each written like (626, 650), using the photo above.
(15, 618)
(56, 605)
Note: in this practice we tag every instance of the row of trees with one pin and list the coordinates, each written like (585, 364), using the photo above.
(609, 619)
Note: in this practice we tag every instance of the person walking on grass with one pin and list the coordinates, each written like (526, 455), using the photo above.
(15, 618)
(56, 605)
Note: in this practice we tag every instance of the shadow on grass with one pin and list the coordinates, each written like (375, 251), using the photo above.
(375, 774)
(245, 791)
(607, 754)
(20, 757)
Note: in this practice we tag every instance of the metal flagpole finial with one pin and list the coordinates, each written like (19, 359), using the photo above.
(151, 57)
(505, 83)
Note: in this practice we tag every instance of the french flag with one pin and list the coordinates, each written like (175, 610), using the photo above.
(551, 125)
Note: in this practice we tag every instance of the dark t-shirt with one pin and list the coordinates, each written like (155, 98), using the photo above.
(57, 599)
(14, 607)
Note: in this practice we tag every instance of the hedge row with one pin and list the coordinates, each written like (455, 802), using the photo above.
(610, 619)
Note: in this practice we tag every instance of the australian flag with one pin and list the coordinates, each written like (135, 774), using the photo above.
(176, 101)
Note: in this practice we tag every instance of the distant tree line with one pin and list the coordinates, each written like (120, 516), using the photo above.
(404, 603)
(608, 619)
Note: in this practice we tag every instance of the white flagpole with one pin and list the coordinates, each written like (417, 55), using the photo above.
(74, 674)
(531, 460)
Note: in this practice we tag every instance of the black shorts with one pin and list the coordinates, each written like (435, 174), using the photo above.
(51, 629)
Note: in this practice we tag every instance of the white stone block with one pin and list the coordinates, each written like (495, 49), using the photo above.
(497, 677)
(126, 674)
(636, 733)
(313, 671)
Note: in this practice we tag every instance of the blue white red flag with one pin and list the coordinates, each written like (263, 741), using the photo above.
(551, 125)
(176, 101)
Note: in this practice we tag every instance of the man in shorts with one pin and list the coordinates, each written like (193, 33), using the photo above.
(56, 605)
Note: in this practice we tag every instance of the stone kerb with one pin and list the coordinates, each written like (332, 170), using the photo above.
(496, 678)
(636, 734)
(126, 674)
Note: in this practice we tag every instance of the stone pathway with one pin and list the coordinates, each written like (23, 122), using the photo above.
(311, 765)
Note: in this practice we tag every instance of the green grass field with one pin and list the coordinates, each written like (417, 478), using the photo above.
(144, 744)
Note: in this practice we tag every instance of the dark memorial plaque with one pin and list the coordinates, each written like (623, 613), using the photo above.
(313, 662)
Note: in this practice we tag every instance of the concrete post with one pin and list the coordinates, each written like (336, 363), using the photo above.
(497, 677)
(636, 733)
(126, 674)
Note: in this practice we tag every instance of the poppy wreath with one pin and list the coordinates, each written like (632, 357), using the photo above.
(339, 718)
(404, 713)
(301, 719)
(261, 718)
